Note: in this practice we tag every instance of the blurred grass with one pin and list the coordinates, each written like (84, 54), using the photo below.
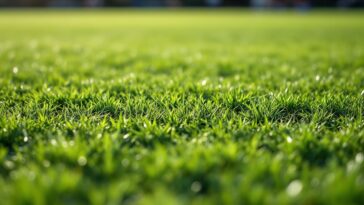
(181, 107)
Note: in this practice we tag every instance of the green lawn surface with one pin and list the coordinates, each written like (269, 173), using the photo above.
(181, 107)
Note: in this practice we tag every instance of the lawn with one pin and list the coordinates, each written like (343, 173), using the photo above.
(181, 107)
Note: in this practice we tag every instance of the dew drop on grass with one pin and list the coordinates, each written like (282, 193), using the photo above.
(15, 70)
(126, 136)
(9, 164)
(196, 186)
(359, 158)
(82, 161)
(204, 82)
(294, 188)
(25, 133)
(53, 142)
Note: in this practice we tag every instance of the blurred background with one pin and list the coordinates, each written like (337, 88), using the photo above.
(259, 4)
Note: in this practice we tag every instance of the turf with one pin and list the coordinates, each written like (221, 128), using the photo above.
(181, 107)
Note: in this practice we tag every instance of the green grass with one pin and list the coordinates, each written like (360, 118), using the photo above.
(181, 107)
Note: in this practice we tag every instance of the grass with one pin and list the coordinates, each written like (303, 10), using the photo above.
(181, 107)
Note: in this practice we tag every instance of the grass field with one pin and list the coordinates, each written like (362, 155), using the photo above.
(181, 107)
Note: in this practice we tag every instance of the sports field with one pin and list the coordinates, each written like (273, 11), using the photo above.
(181, 107)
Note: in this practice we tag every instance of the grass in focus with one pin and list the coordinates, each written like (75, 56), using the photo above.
(181, 107)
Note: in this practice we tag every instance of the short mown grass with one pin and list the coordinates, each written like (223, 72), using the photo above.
(181, 107)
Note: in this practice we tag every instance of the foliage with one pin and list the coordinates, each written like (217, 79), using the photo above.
(181, 107)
